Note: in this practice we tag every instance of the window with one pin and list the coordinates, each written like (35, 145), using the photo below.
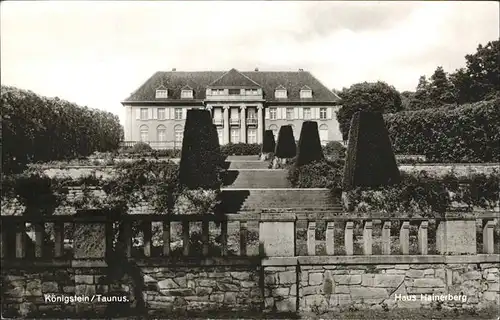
(274, 128)
(217, 92)
(305, 94)
(161, 133)
(252, 135)
(252, 116)
(280, 93)
(144, 113)
(187, 94)
(161, 114)
(322, 113)
(251, 92)
(235, 135)
(234, 92)
(289, 113)
(307, 113)
(161, 93)
(323, 133)
(272, 113)
(144, 133)
(178, 113)
(178, 133)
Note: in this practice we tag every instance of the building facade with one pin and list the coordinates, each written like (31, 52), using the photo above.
(243, 105)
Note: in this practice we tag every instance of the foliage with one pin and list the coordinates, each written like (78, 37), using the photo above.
(469, 133)
(286, 147)
(197, 202)
(309, 147)
(40, 129)
(317, 174)
(376, 97)
(370, 160)
(141, 147)
(200, 161)
(428, 196)
(335, 149)
(241, 149)
(269, 143)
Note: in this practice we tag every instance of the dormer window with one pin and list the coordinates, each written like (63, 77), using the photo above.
(187, 94)
(305, 93)
(280, 93)
(251, 92)
(234, 92)
(161, 93)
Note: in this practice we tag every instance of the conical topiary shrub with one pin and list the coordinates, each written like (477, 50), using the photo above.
(268, 145)
(309, 148)
(370, 160)
(285, 147)
(200, 156)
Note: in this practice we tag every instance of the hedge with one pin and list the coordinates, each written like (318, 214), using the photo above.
(370, 161)
(241, 149)
(286, 146)
(468, 133)
(200, 161)
(309, 148)
(41, 129)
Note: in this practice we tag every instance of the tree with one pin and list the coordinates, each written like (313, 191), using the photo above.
(370, 159)
(441, 89)
(268, 144)
(483, 69)
(375, 97)
(286, 147)
(309, 149)
(406, 98)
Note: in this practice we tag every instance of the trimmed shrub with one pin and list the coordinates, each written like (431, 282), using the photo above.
(285, 147)
(335, 149)
(241, 149)
(317, 174)
(199, 165)
(141, 147)
(469, 133)
(309, 148)
(370, 161)
(269, 143)
(41, 129)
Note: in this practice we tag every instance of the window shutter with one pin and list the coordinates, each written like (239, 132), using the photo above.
(150, 113)
(184, 113)
(329, 113)
(138, 114)
(296, 112)
(316, 113)
(267, 114)
(278, 113)
(301, 113)
(172, 113)
(155, 113)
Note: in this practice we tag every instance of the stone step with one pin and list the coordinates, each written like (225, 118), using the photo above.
(239, 164)
(235, 200)
(256, 178)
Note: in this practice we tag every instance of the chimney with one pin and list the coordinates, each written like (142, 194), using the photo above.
(256, 69)
(174, 69)
(301, 69)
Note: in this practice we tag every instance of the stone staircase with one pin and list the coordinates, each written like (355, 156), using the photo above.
(249, 185)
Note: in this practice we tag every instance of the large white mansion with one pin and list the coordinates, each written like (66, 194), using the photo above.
(243, 105)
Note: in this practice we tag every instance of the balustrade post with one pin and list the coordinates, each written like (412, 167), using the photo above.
(348, 238)
(243, 238)
(330, 236)
(277, 234)
(39, 233)
(367, 238)
(311, 239)
(404, 237)
(422, 237)
(20, 240)
(386, 238)
(166, 238)
(146, 228)
(185, 238)
(488, 237)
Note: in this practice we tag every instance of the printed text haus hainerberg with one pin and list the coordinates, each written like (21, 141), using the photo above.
(243, 105)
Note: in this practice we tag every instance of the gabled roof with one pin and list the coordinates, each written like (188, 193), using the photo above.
(186, 87)
(280, 87)
(233, 78)
(306, 87)
(199, 81)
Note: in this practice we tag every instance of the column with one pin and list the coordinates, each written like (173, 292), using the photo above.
(243, 122)
(260, 124)
(226, 125)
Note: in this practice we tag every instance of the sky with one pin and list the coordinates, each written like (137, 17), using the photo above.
(96, 53)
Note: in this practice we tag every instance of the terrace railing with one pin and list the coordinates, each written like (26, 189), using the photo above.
(159, 145)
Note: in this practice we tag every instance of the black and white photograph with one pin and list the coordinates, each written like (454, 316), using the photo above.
(250, 160)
